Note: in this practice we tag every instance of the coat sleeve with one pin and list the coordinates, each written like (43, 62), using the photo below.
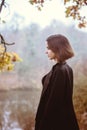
(55, 101)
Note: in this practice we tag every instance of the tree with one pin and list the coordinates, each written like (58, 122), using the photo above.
(72, 10)
(7, 59)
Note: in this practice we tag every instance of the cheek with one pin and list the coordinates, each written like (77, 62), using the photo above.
(50, 53)
(53, 55)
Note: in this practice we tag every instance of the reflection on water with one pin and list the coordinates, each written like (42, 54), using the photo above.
(17, 109)
(7, 122)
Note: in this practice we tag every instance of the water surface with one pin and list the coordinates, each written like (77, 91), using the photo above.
(18, 108)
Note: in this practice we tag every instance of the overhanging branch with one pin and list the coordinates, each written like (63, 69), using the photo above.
(4, 43)
(1, 5)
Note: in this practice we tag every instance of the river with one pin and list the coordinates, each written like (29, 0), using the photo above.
(17, 109)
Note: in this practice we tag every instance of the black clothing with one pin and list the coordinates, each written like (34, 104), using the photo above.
(55, 110)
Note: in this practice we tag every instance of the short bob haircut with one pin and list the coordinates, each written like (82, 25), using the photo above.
(60, 45)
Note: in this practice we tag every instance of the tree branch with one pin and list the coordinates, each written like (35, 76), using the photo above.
(5, 43)
(1, 5)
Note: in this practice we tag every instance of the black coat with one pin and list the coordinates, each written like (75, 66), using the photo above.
(55, 110)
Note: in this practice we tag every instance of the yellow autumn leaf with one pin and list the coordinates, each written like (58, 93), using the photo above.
(16, 57)
(65, 1)
(10, 67)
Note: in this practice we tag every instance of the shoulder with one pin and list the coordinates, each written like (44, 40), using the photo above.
(59, 66)
(62, 68)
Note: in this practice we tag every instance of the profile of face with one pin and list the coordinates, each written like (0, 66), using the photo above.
(51, 55)
(58, 48)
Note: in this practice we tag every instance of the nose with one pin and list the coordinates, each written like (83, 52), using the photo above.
(46, 52)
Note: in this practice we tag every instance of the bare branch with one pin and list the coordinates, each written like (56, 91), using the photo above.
(1, 5)
(5, 43)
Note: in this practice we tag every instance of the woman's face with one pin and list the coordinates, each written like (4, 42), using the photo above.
(51, 55)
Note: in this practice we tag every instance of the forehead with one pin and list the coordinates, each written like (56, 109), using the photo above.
(46, 43)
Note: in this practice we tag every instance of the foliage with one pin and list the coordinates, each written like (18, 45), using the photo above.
(38, 3)
(7, 58)
(80, 103)
(72, 10)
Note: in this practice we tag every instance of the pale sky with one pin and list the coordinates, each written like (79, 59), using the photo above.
(53, 9)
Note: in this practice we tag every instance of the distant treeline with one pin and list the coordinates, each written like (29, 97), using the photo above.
(30, 45)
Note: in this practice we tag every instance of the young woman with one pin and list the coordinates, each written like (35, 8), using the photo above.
(55, 110)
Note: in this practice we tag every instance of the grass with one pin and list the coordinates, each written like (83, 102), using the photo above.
(80, 104)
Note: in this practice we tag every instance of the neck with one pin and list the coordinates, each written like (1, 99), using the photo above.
(56, 60)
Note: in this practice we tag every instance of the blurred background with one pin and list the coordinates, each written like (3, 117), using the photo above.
(20, 89)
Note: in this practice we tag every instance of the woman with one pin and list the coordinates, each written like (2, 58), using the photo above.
(55, 110)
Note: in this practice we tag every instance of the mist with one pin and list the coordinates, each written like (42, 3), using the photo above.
(30, 46)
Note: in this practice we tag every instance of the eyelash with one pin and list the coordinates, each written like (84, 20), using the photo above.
(48, 48)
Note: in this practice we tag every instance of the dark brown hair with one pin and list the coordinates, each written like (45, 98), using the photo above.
(60, 45)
